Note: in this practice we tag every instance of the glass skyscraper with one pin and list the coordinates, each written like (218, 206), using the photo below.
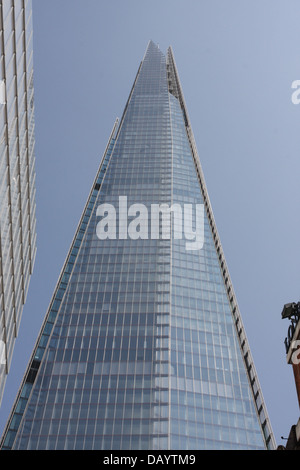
(17, 172)
(143, 345)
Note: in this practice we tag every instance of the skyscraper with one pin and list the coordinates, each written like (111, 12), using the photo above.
(143, 345)
(17, 172)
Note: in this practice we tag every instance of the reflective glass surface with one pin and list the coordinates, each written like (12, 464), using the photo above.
(211, 406)
(17, 172)
(142, 351)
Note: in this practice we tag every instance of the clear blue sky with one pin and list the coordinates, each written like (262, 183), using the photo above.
(236, 61)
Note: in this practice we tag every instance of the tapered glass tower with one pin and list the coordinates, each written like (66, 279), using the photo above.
(143, 345)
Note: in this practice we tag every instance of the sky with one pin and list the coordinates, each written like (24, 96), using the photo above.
(237, 61)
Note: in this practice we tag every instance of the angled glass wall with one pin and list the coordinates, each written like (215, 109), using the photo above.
(146, 349)
(211, 406)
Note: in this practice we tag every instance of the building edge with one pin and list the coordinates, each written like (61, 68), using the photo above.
(260, 406)
(32, 367)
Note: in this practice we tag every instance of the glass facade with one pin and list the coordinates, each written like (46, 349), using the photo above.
(17, 172)
(143, 346)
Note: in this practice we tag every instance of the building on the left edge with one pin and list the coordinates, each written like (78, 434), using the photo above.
(17, 172)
